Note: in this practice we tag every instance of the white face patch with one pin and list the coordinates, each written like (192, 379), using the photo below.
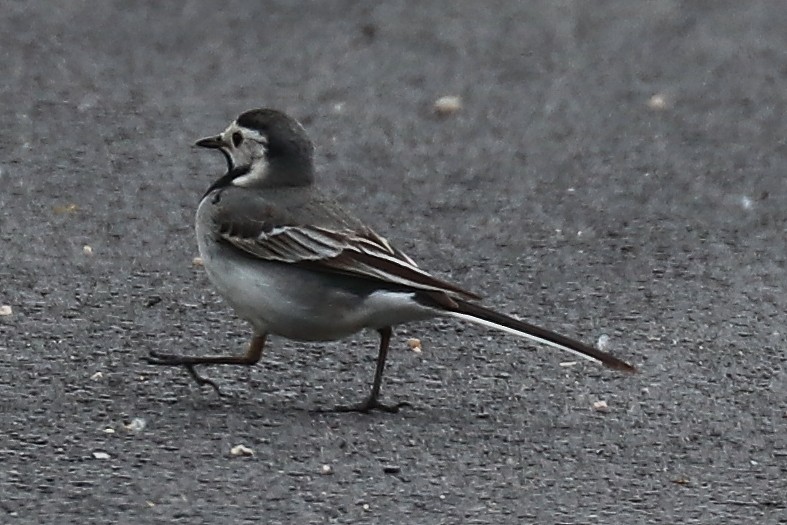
(246, 147)
(251, 134)
(257, 173)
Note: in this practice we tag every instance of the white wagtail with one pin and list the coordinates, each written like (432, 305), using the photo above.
(293, 263)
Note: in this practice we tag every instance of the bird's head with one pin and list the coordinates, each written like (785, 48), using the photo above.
(266, 148)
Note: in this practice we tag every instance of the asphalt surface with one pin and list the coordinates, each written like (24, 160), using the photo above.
(616, 172)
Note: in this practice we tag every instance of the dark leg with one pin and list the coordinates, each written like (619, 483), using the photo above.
(251, 357)
(372, 402)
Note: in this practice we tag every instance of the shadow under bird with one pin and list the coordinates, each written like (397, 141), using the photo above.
(293, 263)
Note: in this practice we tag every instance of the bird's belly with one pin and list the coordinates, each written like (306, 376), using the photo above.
(300, 304)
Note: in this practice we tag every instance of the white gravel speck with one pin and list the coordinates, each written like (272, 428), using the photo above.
(746, 202)
(658, 102)
(447, 105)
(136, 425)
(241, 450)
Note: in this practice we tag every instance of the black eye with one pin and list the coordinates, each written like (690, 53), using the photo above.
(237, 139)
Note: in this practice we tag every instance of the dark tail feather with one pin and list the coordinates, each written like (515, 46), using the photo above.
(484, 316)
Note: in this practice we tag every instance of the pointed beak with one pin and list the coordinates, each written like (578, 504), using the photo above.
(211, 142)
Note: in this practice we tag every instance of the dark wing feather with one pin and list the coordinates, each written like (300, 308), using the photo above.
(361, 254)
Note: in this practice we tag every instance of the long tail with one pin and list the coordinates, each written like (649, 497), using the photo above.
(484, 316)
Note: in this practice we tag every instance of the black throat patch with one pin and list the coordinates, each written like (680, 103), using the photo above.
(227, 179)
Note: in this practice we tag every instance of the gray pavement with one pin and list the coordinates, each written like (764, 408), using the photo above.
(617, 169)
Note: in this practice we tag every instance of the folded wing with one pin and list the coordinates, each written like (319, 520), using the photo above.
(362, 254)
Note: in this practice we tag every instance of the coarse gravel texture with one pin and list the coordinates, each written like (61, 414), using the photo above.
(616, 169)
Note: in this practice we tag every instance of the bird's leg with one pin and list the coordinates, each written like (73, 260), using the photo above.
(251, 357)
(372, 402)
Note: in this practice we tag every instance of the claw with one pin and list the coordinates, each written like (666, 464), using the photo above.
(202, 381)
(366, 407)
(156, 358)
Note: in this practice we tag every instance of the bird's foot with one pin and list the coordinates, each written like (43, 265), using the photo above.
(368, 405)
(157, 358)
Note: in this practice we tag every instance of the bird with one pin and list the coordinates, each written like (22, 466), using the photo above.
(293, 263)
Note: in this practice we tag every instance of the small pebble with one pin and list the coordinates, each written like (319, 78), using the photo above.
(87, 249)
(197, 261)
(447, 105)
(100, 455)
(414, 345)
(135, 425)
(241, 450)
(67, 208)
(600, 406)
(657, 102)
(326, 469)
(746, 203)
(603, 342)
(97, 376)
(6, 310)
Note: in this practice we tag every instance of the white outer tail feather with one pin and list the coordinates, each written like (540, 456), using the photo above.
(520, 333)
